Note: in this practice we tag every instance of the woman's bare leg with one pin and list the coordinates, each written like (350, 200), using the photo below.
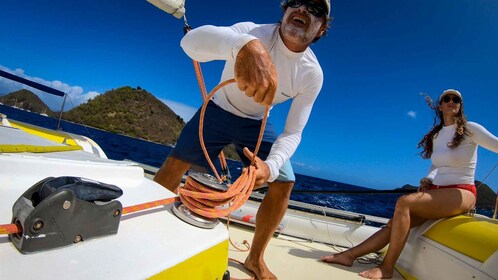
(373, 244)
(433, 204)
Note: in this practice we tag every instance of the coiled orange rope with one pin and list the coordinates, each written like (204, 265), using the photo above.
(208, 202)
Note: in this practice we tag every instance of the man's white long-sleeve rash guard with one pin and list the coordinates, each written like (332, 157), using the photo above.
(300, 77)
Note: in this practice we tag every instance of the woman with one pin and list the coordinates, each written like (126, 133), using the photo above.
(448, 190)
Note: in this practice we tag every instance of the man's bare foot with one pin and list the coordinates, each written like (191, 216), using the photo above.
(342, 258)
(259, 269)
(377, 273)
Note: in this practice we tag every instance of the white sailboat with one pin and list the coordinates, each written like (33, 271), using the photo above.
(44, 112)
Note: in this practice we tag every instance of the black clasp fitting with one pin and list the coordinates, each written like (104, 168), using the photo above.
(58, 217)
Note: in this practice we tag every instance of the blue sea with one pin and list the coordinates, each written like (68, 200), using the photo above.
(121, 147)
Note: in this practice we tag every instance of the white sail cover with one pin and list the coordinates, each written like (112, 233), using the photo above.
(173, 7)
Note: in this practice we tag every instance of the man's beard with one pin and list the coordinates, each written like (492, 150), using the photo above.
(297, 35)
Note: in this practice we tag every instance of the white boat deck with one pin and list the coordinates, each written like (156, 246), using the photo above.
(147, 243)
(292, 258)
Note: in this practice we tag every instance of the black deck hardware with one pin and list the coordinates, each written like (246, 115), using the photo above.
(61, 211)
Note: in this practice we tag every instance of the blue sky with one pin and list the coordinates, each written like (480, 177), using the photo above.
(377, 58)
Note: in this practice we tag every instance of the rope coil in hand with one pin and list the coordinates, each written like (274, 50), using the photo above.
(208, 202)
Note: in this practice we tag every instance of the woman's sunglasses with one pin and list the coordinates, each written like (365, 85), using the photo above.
(455, 99)
(314, 8)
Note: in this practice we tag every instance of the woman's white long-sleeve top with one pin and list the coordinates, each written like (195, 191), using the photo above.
(458, 165)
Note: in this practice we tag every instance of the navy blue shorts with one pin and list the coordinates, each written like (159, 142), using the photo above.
(222, 128)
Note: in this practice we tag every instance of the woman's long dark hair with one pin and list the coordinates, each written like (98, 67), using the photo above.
(461, 130)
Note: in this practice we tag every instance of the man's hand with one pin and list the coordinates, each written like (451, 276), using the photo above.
(255, 73)
(262, 170)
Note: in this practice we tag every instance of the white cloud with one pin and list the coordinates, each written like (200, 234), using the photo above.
(76, 94)
(297, 163)
(304, 166)
(184, 111)
(412, 114)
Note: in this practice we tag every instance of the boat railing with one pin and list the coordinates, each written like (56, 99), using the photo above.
(150, 171)
(496, 206)
(38, 86)
(329, 212)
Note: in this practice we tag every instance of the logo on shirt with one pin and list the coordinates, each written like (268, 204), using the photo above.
(282, 93)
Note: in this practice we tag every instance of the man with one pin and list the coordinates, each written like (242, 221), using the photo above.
(271, 63)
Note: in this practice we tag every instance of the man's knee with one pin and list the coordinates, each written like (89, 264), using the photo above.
(176, 164)
(171, 173)
(283, 189)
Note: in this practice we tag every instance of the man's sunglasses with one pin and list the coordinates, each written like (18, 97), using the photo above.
(314, 8)
(455, 99)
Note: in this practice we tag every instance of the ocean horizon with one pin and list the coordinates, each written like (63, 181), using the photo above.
(337, 195)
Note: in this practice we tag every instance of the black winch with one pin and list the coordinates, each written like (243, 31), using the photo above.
(61, 211)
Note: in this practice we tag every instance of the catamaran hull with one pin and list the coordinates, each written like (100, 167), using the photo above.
(457, 248)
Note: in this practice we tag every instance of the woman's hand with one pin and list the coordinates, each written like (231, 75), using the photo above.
(425, 183)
